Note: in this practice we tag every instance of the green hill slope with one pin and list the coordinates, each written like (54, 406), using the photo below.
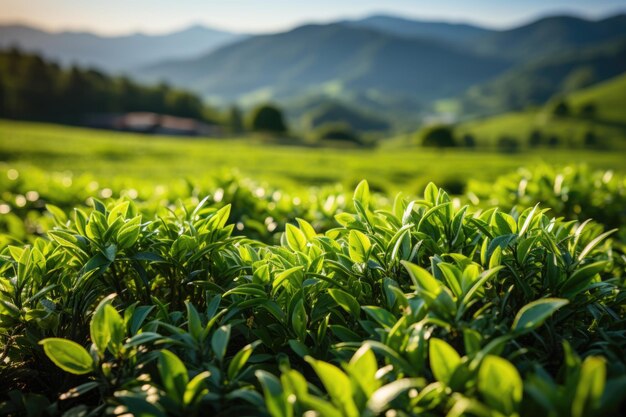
(609, 98)
(607, 125)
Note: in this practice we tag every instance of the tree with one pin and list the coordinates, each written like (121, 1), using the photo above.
(183, 104)
(553, 141)
(469, 141)
(74, 91)
(267, 118)
(2, 95)
(438, 136)
(508, 144)
(560, 108)
(535, 139)
(337, 132)
(590, 139)
(588, 110)
(235, 119)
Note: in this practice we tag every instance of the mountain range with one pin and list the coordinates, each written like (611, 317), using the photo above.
(332, 57)
(115, 53)
(403, 63)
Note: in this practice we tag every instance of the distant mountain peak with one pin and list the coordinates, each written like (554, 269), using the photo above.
(198, 28)
(453, 32)
(396, 18)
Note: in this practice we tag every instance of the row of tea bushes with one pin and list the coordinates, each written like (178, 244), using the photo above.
(261, 212)
(425, 308)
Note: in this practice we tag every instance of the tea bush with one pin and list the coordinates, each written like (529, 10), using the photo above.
(425, 308)
(573, 192)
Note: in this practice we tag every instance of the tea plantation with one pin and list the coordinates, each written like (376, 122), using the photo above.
(223, 297)
(138, 161)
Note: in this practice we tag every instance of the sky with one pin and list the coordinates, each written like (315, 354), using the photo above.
(111, 17)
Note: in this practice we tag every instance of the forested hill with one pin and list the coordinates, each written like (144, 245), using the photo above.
(32, 88)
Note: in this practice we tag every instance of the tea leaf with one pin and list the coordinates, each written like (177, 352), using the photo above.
(443, 360)
(533, 314)
(500, 384)
(219, 342)
(68, 355)
(173, 375)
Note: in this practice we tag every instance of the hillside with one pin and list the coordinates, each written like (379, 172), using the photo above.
(605, 128)
(332, 57)
(114, 53)
(608, 97)
(551, 35)
(536, 81)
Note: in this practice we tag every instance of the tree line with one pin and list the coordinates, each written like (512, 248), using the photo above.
(33, 88)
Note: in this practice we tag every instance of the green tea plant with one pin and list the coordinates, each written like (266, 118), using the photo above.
(574, 192)
(425, 307)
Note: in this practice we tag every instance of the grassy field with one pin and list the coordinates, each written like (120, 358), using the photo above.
(112, 155)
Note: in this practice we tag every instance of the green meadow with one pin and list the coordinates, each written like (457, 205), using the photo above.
(159, 159)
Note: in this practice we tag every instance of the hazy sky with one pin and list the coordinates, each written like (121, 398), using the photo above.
(123, 16)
